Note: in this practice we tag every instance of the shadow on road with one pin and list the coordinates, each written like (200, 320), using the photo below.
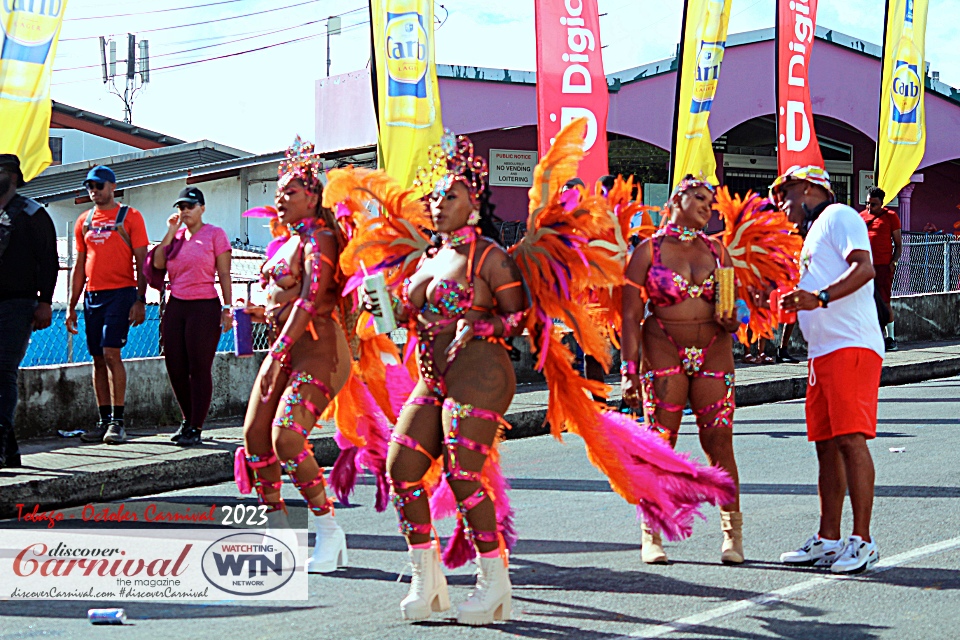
(602, 486)
(804, 629)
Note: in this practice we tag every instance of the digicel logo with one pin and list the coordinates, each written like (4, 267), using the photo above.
(796, 128)
(576, 76)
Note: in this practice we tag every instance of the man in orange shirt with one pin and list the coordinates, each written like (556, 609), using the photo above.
(111, 240)
(886, 245)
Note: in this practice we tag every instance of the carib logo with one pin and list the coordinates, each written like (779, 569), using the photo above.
(709, 59)
(248, 564)
(28, 30)
(906, 88)
(409, 94)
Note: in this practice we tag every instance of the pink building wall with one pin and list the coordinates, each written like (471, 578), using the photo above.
(845, 85)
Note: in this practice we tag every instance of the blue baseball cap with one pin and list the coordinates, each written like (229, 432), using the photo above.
(100, 174)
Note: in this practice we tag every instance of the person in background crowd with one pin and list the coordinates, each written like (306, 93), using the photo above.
(28, 276)
(110, 238)
(783, 350)
(886, 245)
(761, 356)
(837, 314)
(194, 315)
(606, 183)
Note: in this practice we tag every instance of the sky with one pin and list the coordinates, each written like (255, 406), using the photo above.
(259, 101)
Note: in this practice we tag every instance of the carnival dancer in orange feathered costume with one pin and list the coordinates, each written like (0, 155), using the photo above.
(459, 302)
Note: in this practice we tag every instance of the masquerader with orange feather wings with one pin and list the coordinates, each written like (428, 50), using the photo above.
(562, 258)
(461, 288)
(304, 372)
(667, 487)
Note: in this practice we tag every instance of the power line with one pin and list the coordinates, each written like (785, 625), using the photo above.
(209, 46)
(215, 20)
(141, 13)
(227, 55)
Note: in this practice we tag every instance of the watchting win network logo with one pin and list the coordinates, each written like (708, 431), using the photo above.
(249, 564)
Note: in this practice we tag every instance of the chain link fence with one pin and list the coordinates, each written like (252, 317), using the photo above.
(55, 345)
(930, 263)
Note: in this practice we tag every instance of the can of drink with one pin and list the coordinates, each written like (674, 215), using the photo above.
(375, 287)
(783, 317)
(242, 333)
(726, 290)
(107, 616)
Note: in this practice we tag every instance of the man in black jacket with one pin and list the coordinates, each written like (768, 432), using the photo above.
(28, 275)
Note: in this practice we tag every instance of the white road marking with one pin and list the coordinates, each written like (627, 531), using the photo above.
(657, 631)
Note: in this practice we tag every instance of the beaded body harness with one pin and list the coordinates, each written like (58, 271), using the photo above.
(665, 287)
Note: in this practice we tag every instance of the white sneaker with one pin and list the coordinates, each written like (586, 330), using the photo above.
(428, 585)
(330, 547)
(815, 552)
(858, 556)
(491, 598)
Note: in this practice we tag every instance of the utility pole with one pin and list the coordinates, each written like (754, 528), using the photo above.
(138, 70)
(333, 29)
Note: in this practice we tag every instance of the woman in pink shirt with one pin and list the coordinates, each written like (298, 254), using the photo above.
(194, 315)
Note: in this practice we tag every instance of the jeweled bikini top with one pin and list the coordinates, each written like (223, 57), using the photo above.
(450, 299)
(665, 287)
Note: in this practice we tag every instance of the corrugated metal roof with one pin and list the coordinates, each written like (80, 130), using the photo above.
(171, 163)
(133, 169)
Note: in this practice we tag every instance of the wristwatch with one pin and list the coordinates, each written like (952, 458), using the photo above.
(824, 297)
(142, 299)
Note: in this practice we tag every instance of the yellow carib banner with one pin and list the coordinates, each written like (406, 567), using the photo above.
(902, 136)
(28, 45)
(408, 98)
(702, 45)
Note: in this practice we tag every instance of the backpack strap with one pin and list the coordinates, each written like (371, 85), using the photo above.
(117, 226)
(120, 229)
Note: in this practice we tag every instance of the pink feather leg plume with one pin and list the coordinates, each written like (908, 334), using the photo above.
(669, 486)
(241, 472)
(365, 448)
(443, 504)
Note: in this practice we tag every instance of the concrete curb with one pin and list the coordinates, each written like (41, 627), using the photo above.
(214, 463)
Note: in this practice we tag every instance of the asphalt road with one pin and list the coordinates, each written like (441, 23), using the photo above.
(577, 570)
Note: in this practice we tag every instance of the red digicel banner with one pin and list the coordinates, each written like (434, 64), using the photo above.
(570, 79)
(796, 139)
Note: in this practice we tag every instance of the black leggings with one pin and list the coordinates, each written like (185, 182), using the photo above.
(191, 331)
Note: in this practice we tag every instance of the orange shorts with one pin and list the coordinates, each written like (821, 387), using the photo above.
(842, 394)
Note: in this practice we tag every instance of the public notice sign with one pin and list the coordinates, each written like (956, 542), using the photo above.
(512, 167)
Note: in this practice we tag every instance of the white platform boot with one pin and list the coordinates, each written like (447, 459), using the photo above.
(330, 547)
(428, 585)
(491, 598)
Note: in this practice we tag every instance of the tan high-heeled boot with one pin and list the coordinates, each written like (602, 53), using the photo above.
(731, 523)
(651, 547)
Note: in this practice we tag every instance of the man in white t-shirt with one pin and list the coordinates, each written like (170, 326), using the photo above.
(838, 318)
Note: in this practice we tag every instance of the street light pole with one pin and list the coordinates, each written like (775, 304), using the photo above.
(333, 29)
